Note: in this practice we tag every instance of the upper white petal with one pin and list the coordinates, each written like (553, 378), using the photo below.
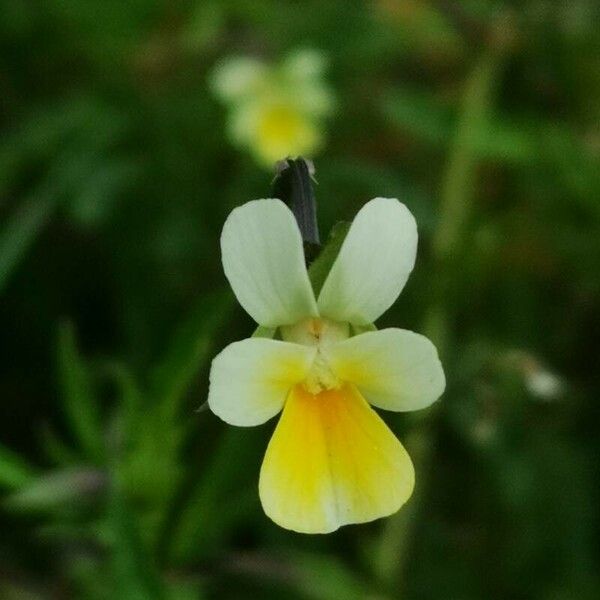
(263, 260)
(373, 265)
(250, 380)
(394, 369)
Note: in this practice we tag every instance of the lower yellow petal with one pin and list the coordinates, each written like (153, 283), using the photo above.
(332, 461)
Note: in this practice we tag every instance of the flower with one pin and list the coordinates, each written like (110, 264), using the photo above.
(332, 460)
(275, 111)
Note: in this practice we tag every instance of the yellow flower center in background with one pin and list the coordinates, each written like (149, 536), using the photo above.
(284, 131)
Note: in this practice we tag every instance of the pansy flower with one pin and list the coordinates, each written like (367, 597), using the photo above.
(276, 109)
(331, 460)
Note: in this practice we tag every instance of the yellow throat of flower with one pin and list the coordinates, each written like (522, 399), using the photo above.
(321, 377)
(320, 333)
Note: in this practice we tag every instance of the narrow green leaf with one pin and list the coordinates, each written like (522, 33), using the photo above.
(421, 114)
(14, 471)
(20, 231)
(57, 450)
(185, 589)
(154, 435)
(77, 393)
(128, 392)
(312, 576)
(189, 349)
(133, 572)
(56, 489)
(211, 510)
(328, 578)
(19, 590)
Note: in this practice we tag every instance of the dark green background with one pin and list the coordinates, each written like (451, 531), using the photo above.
(115, 179)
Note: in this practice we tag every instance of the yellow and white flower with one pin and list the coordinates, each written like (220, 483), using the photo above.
(276, 111)
(332, 460)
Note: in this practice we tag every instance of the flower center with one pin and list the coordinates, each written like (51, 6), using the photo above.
(320, 376)
(280, 124)
(282, 130)
(316, 332)
(320, 333)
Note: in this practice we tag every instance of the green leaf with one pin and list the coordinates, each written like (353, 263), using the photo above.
(318, 576)
(131, 397)
(189, 349)
(78, 398)
(212, 510)
(154, 433)
(56, 489)
(328, 578)
(14, 471)
(320, 268)
(185, 589)
(19, 590)
(459, 177)
(204, 25)
(20, 231)
(421, 114)
(57, 450)
(133, 572)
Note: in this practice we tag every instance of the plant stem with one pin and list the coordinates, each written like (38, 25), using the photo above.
(457, 188)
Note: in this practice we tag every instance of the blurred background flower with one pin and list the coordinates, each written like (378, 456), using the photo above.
(275, 110)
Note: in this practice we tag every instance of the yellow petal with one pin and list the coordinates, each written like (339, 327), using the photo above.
(332, 461)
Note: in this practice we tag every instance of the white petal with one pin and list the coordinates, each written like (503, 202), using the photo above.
(250, 380)
(263, 260)
(304, 65)
(236, 78)
(394, 369)
(373, 265)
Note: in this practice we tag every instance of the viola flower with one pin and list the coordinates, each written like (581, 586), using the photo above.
(332, 460)
(275, 110)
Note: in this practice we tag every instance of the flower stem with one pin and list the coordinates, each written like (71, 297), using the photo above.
(457, 195)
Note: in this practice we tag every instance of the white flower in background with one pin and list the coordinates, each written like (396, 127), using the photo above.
(331, 460)
(543, 384)
(275, 110)
(540, 381)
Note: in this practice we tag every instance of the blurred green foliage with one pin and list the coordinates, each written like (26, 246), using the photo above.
(115, 178)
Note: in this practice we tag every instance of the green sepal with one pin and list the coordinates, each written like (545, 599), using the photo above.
(320, 268)
(358, 329)
(264, 332)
